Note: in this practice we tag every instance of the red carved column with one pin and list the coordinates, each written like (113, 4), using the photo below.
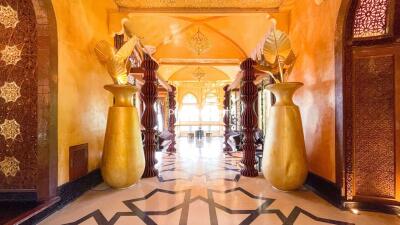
(172, 119)
(149, 117)
(248, 92)
(227, 97)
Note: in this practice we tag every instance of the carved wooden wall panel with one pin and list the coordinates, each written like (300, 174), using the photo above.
(374, 126)
(18, 97)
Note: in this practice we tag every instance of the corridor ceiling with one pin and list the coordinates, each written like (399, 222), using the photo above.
(215, 35)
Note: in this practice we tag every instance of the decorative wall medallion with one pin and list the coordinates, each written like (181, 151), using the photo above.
(11, 55)
(10, 129)
(319, 2)
(199, 43)
(10, 92)
(371, 18)
(9, 166)
(8, 16)
(199, 74)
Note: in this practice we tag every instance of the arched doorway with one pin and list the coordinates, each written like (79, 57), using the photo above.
(367, 104)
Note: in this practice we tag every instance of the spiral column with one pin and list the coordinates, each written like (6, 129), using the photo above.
(149, 117)
(227, 94)
(172, 119)
(248, 95)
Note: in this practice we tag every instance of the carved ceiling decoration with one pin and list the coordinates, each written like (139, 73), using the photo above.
(205, 5)
(371, 18)
(10, 92)
(199, 73)
(9, 166)
(207, 38)
(8, 16)
(199, 43)
(197, 37)
(11, 55)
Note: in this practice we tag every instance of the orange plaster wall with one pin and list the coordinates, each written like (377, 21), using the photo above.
(82, 101)
(312, 33)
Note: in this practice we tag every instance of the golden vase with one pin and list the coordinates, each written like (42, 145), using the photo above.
(123, 157)
(284, 159)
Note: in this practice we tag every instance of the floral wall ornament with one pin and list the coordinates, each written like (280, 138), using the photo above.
(199, 43)
(11, 55)
(10, 129)
(199, 74)
(8, 16)
(9, 166)
(10, 92)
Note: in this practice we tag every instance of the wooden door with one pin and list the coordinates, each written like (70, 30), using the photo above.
(375, 123)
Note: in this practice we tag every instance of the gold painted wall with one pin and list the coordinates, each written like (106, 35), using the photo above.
(82, 101)
(312, 32)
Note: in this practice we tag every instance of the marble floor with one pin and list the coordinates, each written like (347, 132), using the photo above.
(200, 185)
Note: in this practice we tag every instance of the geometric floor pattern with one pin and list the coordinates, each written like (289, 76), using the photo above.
(201, 185)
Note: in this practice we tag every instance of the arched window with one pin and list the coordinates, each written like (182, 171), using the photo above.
(210, 111)
(371, 18)
(189, 111)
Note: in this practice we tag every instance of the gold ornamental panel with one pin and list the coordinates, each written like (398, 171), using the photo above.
(8, 16)
(10, 92)
(10, 129)
(9, 166)
(11, 55)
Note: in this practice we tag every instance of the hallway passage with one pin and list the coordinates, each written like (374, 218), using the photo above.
(201, 185)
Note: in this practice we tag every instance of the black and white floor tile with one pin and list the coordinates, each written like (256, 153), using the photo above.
(201, 185)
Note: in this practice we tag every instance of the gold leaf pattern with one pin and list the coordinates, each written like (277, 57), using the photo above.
(9, 166)
(8, 16)
(11, 55)
(10, 129)
(10, 92)
(199, 43)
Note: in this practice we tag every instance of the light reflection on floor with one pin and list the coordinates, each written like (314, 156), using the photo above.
(202, 185)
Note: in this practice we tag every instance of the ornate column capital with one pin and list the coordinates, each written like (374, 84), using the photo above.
(247, 64)
(149, 63)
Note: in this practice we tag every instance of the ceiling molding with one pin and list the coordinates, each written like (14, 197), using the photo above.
(220, 11)
(199, 6)
(208, 62)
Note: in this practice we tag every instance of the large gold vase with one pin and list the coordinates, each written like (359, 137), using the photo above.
(123, 157)
(284, 160)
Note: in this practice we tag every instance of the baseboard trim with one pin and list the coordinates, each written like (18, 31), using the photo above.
(66, 194)
(331, 193)
(18, 196)
(25, 217)
(372, 207)
(325, 189)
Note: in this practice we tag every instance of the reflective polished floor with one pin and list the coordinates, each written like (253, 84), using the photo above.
(200, 185)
